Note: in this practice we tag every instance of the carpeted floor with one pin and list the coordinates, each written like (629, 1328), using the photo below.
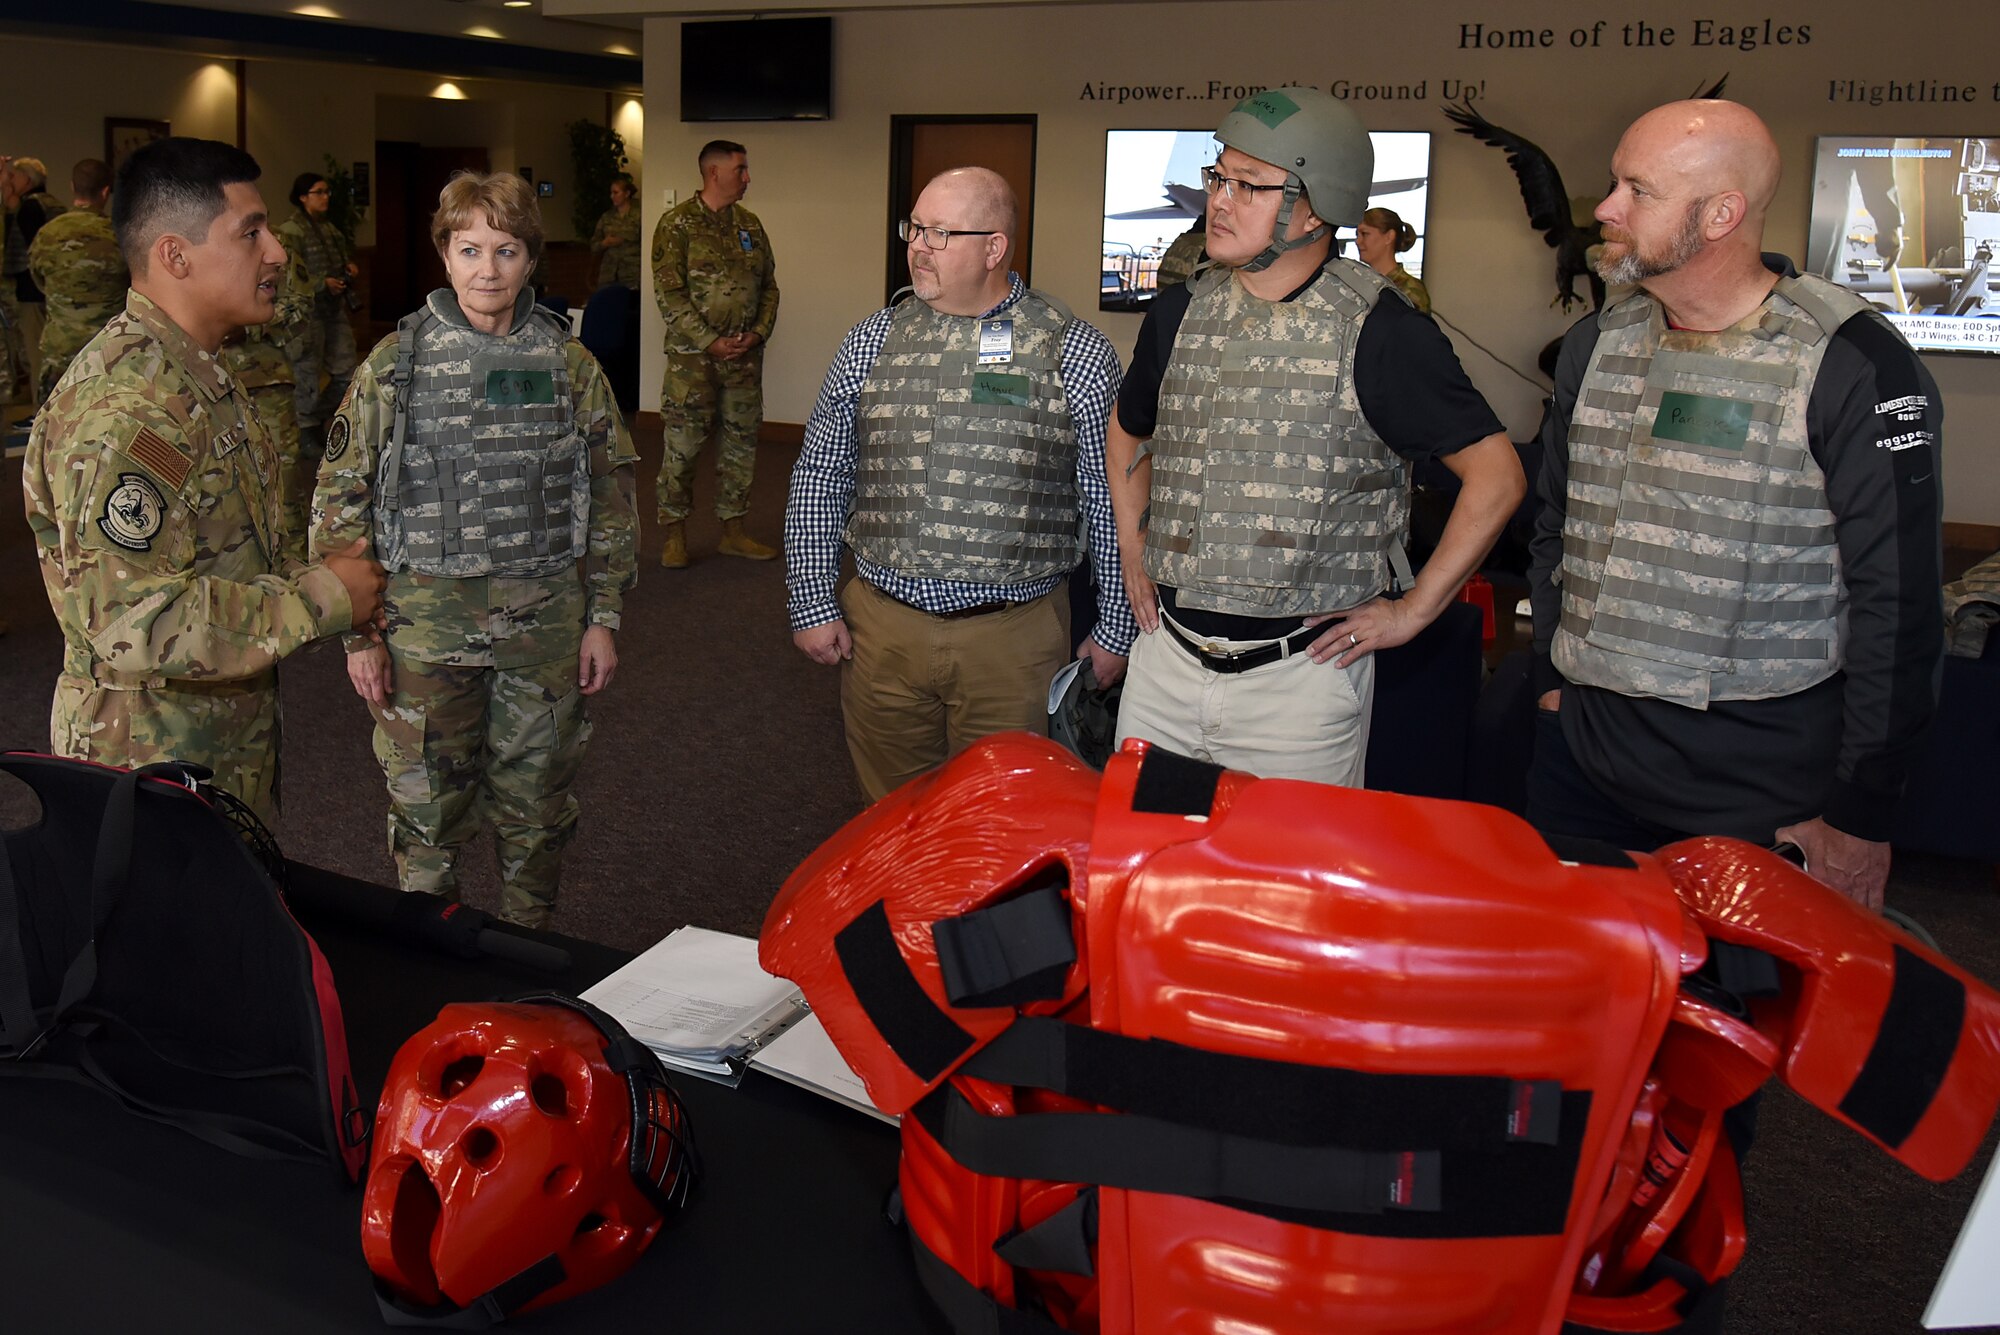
(717, 764)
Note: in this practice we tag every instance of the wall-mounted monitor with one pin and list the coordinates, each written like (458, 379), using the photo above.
(757, 70)
(1153, 193)
(1913, 225)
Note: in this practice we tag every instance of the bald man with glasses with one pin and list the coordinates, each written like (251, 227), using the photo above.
(958, 449)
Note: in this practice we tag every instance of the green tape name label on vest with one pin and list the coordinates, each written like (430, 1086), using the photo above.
(1273, 108)
(1000, 387)
(1720, 424)
(512, 388)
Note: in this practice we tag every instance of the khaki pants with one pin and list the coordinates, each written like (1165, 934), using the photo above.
(920, 688)
(1292, 719)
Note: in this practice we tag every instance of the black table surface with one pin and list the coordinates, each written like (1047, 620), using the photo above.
(109, 1222)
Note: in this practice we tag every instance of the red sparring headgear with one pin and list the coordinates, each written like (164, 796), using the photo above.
(524, 1153)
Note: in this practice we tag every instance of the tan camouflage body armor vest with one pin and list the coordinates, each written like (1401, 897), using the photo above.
(485, 472)
(1699, 560)
(968, 472)
(1272, 496)
(322, 249)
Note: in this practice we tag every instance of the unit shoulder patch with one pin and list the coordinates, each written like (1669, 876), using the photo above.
(336, 439)
(133, 512)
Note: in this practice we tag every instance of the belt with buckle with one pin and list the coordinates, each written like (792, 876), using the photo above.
(1219, 660)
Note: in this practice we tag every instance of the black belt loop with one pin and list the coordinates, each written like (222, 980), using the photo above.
(1244, 660)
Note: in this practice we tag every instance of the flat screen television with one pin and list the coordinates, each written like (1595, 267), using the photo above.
(757, 70)
(1153, 193)
(1913, 225)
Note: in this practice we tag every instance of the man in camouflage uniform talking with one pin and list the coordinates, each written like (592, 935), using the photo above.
(1736, 575)
(714, 279)
(152, 496)
(76, 262)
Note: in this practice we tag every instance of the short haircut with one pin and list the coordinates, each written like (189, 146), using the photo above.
(89, 178)
(174, 185)
(502, 200)
(625, 179)
(716, 149)
(301, 183)
(32, 168)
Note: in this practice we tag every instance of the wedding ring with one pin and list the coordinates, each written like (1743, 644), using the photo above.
(1354, 639)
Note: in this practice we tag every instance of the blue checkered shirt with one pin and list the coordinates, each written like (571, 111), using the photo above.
(823, 489)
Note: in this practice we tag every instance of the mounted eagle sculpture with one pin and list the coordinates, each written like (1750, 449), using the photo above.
(1567, 224)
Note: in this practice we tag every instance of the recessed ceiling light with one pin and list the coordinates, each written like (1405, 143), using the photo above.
(618, 50)
(481, 30)
(315, 12)
(518, 4)
(450, 92)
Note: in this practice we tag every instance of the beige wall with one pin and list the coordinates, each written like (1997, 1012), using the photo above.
(296, 112)
(821, 187)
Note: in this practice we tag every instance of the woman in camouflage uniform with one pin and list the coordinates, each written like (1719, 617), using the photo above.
(482, 454)
(1379, 237)
(616, 239)
(325, 342)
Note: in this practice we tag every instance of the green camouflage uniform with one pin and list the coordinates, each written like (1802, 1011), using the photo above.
(325, 342)
(76, 263)
(619, 262)
(261, 363)
(152, 498)
(713, 276)
(1412, 287)
(1178, 264)
(484, 699)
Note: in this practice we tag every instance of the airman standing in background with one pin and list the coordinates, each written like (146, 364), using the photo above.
(76, 263)
(714, 279)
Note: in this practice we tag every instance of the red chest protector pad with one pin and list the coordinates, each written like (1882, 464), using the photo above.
(1347, 1060)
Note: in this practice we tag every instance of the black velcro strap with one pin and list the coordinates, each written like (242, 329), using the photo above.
(1066, 1241)
(1521, 1190)
(921, 1035)
(1912, 1051)
(1175, 785)
(1148, 1154)
(1288, 1102)
(1587, 852)
(970, 1310)
(1009, 954)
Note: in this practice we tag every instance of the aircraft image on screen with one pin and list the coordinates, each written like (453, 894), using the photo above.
(1153, 193)
(1913, 226)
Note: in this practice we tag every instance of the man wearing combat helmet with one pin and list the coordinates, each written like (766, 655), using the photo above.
(1259, 462)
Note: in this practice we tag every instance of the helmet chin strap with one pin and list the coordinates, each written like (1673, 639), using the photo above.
(1280, 243)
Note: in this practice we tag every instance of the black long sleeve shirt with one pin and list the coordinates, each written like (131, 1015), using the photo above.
(1842, 748)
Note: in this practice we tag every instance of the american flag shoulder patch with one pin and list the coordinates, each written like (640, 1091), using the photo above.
(164, 460)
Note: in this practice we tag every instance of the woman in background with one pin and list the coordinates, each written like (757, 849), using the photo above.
(616, 239)
(1380, 236)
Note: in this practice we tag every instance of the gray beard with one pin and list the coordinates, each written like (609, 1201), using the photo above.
(1633, 267)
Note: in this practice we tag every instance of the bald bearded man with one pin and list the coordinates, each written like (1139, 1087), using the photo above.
(1736, 570)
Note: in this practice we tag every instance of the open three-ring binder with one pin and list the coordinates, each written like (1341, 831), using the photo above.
(700, 1000)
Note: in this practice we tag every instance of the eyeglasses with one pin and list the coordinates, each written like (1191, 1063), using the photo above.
(935, 238)
(1213, 180)
(319, 190)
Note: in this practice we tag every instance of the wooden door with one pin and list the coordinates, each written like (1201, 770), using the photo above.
(408, 179)
(922, 146)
